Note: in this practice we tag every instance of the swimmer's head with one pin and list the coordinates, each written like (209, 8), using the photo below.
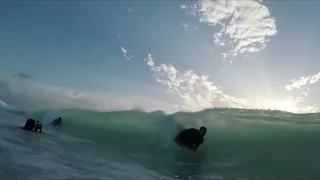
(203, 130)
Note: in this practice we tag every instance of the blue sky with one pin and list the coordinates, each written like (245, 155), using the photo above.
(143, 52)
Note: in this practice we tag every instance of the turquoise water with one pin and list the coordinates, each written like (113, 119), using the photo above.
(240, 144)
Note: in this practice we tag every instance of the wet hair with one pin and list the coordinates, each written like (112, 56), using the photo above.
(203, 128)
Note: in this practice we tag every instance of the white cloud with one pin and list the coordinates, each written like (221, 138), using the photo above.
(309, 109)
(303, 81)
(125, 53)
(300, 88)
(3, 104)
(183, 6)
(196, 91)
(129, 9)
(185, 26)
(28, 95)
(244, 25)
(306, 92)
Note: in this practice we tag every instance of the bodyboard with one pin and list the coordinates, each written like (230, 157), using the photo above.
(29, 130)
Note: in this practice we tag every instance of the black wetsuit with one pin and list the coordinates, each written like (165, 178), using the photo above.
(190, 138)
(29, 125)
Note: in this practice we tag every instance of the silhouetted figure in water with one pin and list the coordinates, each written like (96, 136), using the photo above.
(57, 121)
(30, 123)
(191, 138)
(37, 127)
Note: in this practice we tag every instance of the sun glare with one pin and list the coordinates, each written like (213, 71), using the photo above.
(284, 106)
(276, 104)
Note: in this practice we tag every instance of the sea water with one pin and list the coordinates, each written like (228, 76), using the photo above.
(129, 145)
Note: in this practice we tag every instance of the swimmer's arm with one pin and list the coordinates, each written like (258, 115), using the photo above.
(192, 148)
(184, 146)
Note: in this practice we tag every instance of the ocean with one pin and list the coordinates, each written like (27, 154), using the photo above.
(135, 145)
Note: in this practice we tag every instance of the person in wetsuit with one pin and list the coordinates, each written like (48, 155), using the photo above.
(30, 123)
(57, 121)
(191, 138)
(37, 127)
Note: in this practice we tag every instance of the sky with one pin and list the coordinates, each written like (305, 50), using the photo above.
(160, 55)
